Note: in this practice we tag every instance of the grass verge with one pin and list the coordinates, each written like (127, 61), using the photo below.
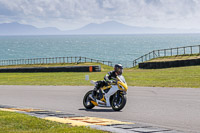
(170, 77)
(50, 65)
(11, 122)
(175, 58)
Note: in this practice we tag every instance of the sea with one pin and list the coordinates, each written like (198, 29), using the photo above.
(115, 48)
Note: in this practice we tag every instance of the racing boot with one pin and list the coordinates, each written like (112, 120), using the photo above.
(94, 92)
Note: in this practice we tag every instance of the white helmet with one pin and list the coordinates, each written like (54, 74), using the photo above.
(118, 69)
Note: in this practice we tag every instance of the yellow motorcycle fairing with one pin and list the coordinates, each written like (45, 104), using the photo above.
(94, 103)
(106, 87)
(122, 86)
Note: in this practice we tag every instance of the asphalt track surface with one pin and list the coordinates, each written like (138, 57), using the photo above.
(174, 108)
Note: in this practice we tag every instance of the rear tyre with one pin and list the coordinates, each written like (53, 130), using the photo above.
(118, 103)
(87, 101)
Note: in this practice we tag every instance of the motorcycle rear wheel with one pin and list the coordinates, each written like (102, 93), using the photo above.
(119, 103)
(87, 101)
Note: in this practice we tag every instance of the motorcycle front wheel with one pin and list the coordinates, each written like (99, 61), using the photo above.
(118, 103)
(87, 101)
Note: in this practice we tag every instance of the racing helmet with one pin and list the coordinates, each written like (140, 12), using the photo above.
(118, 69)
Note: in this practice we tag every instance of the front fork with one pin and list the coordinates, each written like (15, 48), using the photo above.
(117, 94)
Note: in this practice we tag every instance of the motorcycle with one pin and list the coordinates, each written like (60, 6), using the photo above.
(113, 95)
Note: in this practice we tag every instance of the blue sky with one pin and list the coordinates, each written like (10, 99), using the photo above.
(72, 14)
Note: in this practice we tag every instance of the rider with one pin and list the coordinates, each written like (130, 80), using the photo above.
(108, 79)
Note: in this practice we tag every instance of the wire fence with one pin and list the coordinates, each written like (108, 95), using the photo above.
(54, 60)
(168, 52)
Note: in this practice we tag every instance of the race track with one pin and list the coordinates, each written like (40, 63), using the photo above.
(174, 108)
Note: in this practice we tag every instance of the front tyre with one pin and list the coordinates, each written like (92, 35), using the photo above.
(87, 101)
(118, 103)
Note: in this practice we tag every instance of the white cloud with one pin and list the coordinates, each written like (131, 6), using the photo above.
(70, 14)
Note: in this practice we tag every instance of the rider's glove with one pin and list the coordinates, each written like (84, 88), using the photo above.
(112, 81)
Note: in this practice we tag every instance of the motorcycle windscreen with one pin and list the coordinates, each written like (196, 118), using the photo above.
(122, 78)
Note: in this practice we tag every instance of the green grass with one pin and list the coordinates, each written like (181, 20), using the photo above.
(50, 65)
(170, 77)
(174, 58)
(60, 78)
(11, 122)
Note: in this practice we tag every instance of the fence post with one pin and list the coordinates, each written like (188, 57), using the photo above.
(191, 49)
(64, 60)
(184, 49)
(149, 56)
(177, 51)
(145, 57)
(171, 51)
(199, 49)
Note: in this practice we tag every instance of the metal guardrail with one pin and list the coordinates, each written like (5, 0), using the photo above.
(54, 60)
(168, 52)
